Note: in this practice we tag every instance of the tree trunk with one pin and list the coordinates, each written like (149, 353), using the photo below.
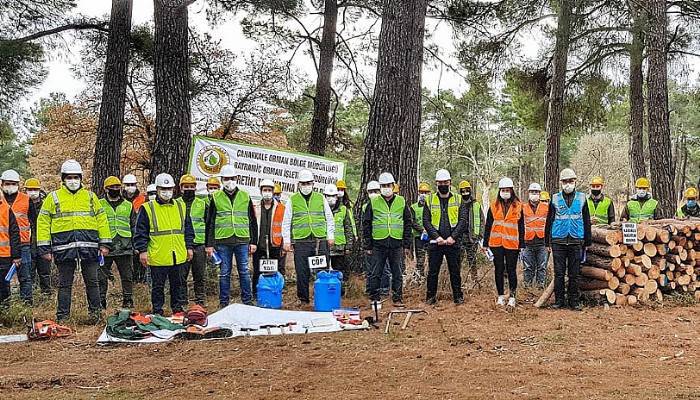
(110, 129)
(393, 134)
(555, 116)
(661, 159)
(637, 164)
(171, 71)
(322, 101)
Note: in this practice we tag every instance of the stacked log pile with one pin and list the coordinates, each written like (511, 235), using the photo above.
(666, 258)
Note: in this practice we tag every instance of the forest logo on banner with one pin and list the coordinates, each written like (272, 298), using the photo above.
(211, 159)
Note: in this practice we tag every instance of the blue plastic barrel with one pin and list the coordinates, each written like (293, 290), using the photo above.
(270, 290)
(327, 290)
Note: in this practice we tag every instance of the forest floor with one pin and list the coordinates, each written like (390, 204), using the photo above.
(472, 351)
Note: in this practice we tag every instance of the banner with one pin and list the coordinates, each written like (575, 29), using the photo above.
(255, 163)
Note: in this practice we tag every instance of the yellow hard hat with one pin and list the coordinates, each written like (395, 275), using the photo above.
(544, 195)
(187, 178)
(32, 183)
(396, 188)
(213, 181)
(642, 183)
(341, 184)
(278, 189)
(691, 193)
(424, 187)
(111, 181)
(597, 180)
(465, 185)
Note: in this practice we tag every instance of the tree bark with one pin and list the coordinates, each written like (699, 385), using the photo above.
(393, 136)
(636, 151)
(555, 116)
(110, 129)
(171, 72)
(322, 101)
(660, 157)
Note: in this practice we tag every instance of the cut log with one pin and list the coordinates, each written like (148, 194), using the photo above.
(607, 236)
(661, 249)
(624, 288)
(608, 263)
(613, 283)
(638, 247)
(629, 279)
(620, 299)
(641, 232)
(596, 273)
(620, 273)
(651, 286)
(545, 295)
(644, 260)
(593, 284)
(634, 269)
(642, 280)
(650, 233)
(663, 236)
(605, 250)
(654, 272)
(650, 249)
(631, 300)
(683, 280)
(609, 295)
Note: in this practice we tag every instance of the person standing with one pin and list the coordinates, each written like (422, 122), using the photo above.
(164, 238)
(72, 230)
(472, 236)
(535, 255)
(504, 236)
(544, 197)
(233, 230)
(277, 193)
(269, 215)
(568, 233)
(308, 229)
(690, 208)
(151, 192)
(642, 207)
(600, 207)
(374, 191)
(10, 246)
(132, 193)
(122, 219)
(345, 231)
(196, 208)
(419, 245)
(386, 231)
(41, 269)
(213, 185)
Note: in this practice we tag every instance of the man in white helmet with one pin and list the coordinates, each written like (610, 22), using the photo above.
(131, 191)
(567, 233)
(535, 255)
(73, 231)
(269, 214)
(164, 238)
(374, 190)
(345, 231)
(387, 230)
(308, 229)
(232, 231)
(151, 192)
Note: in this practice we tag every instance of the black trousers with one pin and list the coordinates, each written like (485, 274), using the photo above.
(567, 261)
(159, 275)
(41, 272)
(302, 252)
(66, 272)
(125, 275)
(261, 254)
(506, 260)
(198, 266)
(435, 256)
(380, 257)
(4, 285)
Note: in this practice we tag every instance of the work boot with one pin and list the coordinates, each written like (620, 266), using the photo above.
(558, 306)
(459, 300)
(577, 306)
(431, 301)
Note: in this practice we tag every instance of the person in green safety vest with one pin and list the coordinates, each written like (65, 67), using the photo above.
(122, 218)
(600, 207)
(196, 208)
(386, 230)
(345, 231)
(642, 206)
(690, 208)
(164, 238)
(419, 234)
(470, 238)
(374, 190)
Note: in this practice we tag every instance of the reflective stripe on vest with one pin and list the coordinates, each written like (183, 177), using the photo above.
(167, 233)
(535, 221)
(339, 217)
(232, 219)
(504, 231)
(275, 224)
(568, 221)
(599, 213)
(197, 210)
(638, 212)
(386, 221)
(5, 249)
(21, 209)
(119, 219)
(436, 211)
(308, 218)
(418, 212)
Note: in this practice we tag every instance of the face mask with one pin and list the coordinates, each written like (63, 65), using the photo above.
(341, 193)
(212, 191)
(387, 192)
(130, 189)
(421, 198)
(151, 197)
(10, 189)
(568, 187)
(595, 192)
(443, 189)
(641, 193)
(230, 185)
(188, 194)
(33, 194)
(73, 184)
(306, 189)
(692, 203)
(267, 195)
(505, 194)
(332, 201)
(373, 195)
(534, 198)
(277, 197)
(165, 195)
(113, 193)
(466, 195)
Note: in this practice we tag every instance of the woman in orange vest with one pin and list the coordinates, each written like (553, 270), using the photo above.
(535, 255)
(504, 236)
(10, 246)
(270, 213)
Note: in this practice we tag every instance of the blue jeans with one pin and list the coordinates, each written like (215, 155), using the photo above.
(24, 274)
(227, 252)
(535, 265)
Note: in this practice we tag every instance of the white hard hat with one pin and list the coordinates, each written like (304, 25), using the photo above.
(227, 171)
(330, 190)
(71, 167)
(505, 183)
(567, 173)
(267, 183)
(129, 179)
(165, 181)
(386, 179)
(443, 175)
(373, 185)
(151, 188)
(10, 175)
(305, 176)
(534, 187)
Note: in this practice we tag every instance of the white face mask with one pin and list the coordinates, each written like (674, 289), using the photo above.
(641, 193)
(130, 189)
(505, 194)
(373, 195)
(151, 197)
(332, 200)
(387, 192)
(10, 189)
(230, 185)
(33, 194)
(165, 195)
(569, 187)
(306, 189)
(341, 193)
(535, 198)
(267, 195)
(421, 198)
(212, 191)
(73, 184)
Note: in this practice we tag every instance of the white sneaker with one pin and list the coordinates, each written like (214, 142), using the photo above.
(511, 302)
(501, 301)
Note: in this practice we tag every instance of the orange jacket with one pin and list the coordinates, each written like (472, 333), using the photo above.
(504, 231)
(138, 202)
(5, 242)
(276, 226)
(21, 209)
(535, 221)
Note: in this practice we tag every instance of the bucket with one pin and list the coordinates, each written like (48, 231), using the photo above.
(327, 290)
(270, 290)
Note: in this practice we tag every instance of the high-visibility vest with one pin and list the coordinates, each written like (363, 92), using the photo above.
(504, 231)
(308, 218)
(21, 209)
(535, 221)
(5, 242)
(568, 221)
(418, 212)
(232, 219)
(476, 217)
(197, 211)
(339, 217)
(599, 213)
(167, 233)
(638, 212)
(386, 221)
(276, 223)
(436, 211)
(119, 219)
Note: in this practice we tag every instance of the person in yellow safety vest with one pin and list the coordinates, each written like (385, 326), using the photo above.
(535, 255)
(308, 229)
(26, 214)
(419, 233)
(122, 219)
(374, 190)
(600, 207)
(344, 199)
(345, 232)
(10, 247)
(41, 270)
(213, 185)
(386, 229)
(164, 238)
(232, 231)
(471, 237)
(690, 208)
(544, 197)
(197, 207)
(269, 214)
(73, 231)
(642, 206)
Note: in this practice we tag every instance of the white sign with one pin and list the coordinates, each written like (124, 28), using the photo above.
(629, 233)
(254, 163)
(268, 266)
(318, 262)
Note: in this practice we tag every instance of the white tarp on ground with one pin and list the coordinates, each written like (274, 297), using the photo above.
(241, 319)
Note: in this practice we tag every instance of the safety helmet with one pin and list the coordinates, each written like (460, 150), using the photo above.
(330, 190)
(597, 180)
(691, 193)
(534, 187)
(151, 188)
(188, 178)
(373, 185)
(424, 187)
(10, 175)
(32, 183)
(165, 181)
(278, 189)
(341, 184)
(111, 181)
(544, 195)
(129, 179)
(305, 176)
(227, 171)
(213, 181)
(71, 167)
(642, 183)
(505, 183)
(267, 183)
(397, 188)
(465, 185)
(443, 175)
(386, 178)
(566, 174)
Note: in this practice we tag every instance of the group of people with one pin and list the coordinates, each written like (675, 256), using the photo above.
(162, 238)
